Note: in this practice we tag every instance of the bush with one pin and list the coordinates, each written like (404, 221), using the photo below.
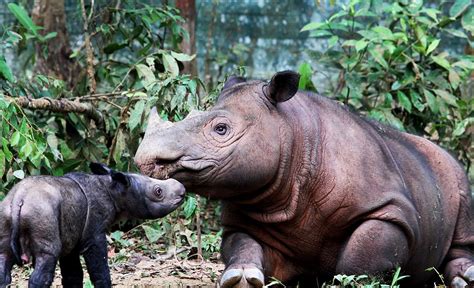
(390, 67)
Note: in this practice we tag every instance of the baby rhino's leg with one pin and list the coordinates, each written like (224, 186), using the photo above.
(71, 270)
(96, 262)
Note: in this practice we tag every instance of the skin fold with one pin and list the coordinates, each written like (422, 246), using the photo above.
(311, 189)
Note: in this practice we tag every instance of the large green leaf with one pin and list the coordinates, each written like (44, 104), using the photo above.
(448, 97)
(147, 76)
(441, 61)
(22, 16)
(459, 7)
(378, 56)
(312, 26)
(431, 100)
(152, 234)
(468, 20)
(404, 101)
(5, 70)
(136, 115)
(170, 64)
(306, 72)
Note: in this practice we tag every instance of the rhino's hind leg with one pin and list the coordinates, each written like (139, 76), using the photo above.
(375, 246)
(243, 257)
(6, 264)
(43, 275)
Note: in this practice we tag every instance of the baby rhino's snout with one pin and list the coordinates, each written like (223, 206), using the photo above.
(177, 189)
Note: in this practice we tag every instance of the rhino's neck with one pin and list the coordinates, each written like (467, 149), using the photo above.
(299, 167)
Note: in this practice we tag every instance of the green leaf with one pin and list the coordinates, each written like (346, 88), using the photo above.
(189, 206)
(383, 32)
(182, 57)
(2, 163)
(448, 97)
(441, 61)
(145, 73)
(415, 99)
(312, 26)
(404, 101)
(457, 33)
(15, 138)
(22, 16)
(454, 78)
(431, 100)
(378, 56)
(306, 72)
(136, 115)
(332, 41)
(421, 36)
(5, 71)
(50, 35)
(461, 127)
(459, 7)
(19, 174)
(361, 44)
(467, 20)
(432, 13)
(152, 234)
(432, 46)
(170, 64)
(112, 47)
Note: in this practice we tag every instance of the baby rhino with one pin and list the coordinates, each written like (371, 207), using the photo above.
(48, 218)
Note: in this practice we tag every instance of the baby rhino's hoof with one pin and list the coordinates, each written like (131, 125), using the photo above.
(242, 278)
(467, 280)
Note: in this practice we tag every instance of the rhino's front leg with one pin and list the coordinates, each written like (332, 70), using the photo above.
(96, 262)
(243, 258)
(71, 270)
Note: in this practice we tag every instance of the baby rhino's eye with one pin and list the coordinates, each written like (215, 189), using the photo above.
(158, 191)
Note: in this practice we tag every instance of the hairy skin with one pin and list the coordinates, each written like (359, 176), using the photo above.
(46, 219)
(311, 189)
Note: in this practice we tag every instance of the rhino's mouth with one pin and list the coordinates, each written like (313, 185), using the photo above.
(177, 168)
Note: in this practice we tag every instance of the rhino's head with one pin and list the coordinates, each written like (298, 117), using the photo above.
(231, 149)
(141, 196)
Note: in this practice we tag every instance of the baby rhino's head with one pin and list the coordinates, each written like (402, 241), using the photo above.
(141, 196)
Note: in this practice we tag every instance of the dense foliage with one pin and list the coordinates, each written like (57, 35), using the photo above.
(391, 64)
(136, 65)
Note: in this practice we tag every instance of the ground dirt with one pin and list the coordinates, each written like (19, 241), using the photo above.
(142, 271)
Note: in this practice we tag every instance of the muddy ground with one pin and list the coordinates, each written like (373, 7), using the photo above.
(142, 271)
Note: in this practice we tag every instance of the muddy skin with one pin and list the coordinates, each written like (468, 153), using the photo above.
(46, 219)
(311, 189)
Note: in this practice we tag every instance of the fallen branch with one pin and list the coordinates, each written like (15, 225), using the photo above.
(59, 105)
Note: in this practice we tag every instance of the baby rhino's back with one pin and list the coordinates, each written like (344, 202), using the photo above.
(50, 212)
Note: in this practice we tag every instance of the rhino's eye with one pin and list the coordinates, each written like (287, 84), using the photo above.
(158, 191)
(221, 128)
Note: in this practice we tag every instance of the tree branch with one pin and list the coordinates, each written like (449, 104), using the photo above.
(59, 105)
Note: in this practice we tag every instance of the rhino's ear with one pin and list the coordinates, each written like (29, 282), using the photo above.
(282, 87)
(232, 81)
(121, 178)
(100, 169)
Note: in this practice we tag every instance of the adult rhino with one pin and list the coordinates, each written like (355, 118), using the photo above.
(310, 189)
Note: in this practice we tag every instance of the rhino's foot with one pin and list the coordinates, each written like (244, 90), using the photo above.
(467, 279)
(242, 278)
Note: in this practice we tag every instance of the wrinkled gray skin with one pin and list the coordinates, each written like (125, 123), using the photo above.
(310, 189)
(44, 218)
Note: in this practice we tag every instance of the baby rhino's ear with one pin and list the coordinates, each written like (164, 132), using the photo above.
(121, 178)
(100, 169)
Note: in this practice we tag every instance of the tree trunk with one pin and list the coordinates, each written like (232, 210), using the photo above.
(53, 59)
(188, 46)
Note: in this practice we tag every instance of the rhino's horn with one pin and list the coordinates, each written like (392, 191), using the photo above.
(155, 122)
